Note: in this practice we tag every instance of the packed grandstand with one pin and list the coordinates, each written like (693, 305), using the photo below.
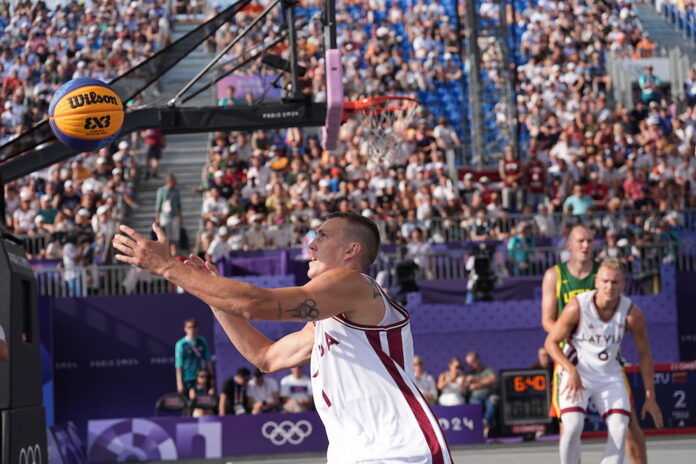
(627, 172)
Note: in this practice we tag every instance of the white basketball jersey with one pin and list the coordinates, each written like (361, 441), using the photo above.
(363, 389)
(595, 344)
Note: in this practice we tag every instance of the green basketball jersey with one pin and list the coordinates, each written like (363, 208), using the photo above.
(567, 286)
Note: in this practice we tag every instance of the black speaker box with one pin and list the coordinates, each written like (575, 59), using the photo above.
(20, 375)
(23, 436)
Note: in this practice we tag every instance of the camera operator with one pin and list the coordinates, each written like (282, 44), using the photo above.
(482, 277)
(404, 276)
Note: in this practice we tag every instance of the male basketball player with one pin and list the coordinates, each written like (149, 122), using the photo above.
(561, 284)
(594, 323)
(357, 338)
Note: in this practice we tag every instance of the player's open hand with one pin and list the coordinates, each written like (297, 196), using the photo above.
(574, 386)
(206, 267)
(650, 406)
(195, 262)
(153, 256)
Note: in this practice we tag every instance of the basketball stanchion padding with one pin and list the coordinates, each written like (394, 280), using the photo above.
(86, 114)
(334, 99)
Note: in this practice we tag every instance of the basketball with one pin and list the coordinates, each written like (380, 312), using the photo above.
(86, 114)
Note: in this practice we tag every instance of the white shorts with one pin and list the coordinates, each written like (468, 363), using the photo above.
(610, 395)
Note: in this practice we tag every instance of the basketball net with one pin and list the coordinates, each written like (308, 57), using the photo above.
(384, 123)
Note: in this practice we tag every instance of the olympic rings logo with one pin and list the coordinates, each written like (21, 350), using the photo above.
(287, 432)
(30, 455)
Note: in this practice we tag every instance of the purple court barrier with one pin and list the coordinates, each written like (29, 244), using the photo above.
(169, 438)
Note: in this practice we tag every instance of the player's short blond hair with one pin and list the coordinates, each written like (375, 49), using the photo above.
(612, 264)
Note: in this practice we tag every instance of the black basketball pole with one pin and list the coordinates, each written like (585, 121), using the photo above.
(295, 93)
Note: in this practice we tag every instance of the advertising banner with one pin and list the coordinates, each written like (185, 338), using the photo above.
(675, 392)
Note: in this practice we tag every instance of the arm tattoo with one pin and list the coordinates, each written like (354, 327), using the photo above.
(375, 288)
(307, 310)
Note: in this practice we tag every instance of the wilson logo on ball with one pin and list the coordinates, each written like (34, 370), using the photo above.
(91, 99)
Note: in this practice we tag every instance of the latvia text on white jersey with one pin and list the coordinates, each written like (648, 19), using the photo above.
(363, 389)
(595, 344)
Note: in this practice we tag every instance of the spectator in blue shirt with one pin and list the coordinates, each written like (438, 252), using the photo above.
(578, 203)
(520, 249)
(191, 353)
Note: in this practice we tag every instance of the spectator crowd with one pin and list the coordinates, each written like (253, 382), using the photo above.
(74, 206)
(583, 157)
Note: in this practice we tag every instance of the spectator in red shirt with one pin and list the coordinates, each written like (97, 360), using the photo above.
(535, 180)
(596, 190)
(632, 185)
(155, 143)
(512, 173)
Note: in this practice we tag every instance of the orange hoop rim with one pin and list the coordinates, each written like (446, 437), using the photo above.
(371, 104)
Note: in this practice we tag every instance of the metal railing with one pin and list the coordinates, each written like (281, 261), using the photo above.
(644, 266)
(99, 280)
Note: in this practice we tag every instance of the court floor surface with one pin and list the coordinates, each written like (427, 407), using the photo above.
(661, 450)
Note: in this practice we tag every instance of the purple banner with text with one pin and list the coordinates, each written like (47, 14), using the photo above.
(254, 85)
(170, 438)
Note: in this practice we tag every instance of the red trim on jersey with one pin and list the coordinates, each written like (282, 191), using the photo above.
(417, 409)
(616, 411)
(326, 398)
(396, 346)
(355, 325)
(387, 300)
(573, 409)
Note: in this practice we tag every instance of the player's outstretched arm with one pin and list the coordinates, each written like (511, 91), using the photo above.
(549, 309)
(568, 320)
(294, 349)
(635, 323)
(333, 292)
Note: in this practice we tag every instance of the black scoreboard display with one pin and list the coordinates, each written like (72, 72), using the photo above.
(526, 399)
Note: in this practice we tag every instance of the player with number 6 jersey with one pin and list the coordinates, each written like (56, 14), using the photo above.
(594, 324)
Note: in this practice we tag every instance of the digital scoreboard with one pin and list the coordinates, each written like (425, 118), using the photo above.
(526, 399)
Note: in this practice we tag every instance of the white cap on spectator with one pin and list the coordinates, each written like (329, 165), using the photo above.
(219, 173)
(233, 221)
(324, 183)
(484, 179)
(88, 187)
(653, 120)
(24, 195)
(222, 231)
(8, 105)
(101, 160)
(116, 171)
(83, 212)
(367, 212)
(122, 144)
(68, 183)
(117, 157)
(468, 175)
(46, 197)
(257, 217)
(39, 218)
(448, 56)
(103, 209)
(81, 64)
(315, 223)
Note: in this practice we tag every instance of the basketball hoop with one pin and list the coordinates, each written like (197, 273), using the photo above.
(384, 122)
